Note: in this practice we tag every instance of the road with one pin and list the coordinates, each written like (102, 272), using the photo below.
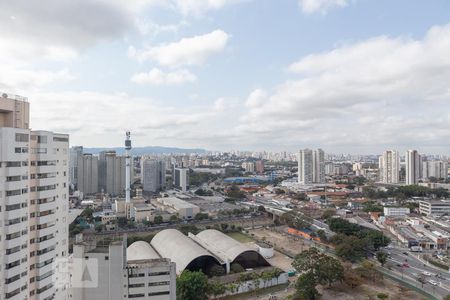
(241, 221)
(412, 268)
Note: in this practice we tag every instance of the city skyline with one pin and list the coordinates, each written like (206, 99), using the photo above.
(157, 68)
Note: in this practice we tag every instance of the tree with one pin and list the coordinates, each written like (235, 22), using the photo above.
(236, 268)
(192, 286)
(261, 208)
(351, 277)
(158, 219)
(351, 248)
(382, 257)
(306, 287)
(173, 218)
(216, 288)
(201, 216)
(382, 296)
(325, 269)
(217, 270)
(329, 270)
(328, 214)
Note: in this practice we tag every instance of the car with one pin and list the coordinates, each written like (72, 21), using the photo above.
(405, 253)
(426, 273)
(399, 265)
(432, 282)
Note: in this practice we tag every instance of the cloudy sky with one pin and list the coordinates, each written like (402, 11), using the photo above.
(353, 76)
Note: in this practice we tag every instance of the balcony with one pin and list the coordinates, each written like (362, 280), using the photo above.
(45, 244)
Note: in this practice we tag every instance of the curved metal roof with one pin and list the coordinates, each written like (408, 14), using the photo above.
(141, 250)
(221, 244)
(171, 243)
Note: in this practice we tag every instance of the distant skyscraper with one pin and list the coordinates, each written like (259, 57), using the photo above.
(305, 166)
(75, 152)
(111, 172)
(260, 166)
(180, 179)
(153, 175)
(311, 166)
(249, 167)
(413, 164)
(435, 169)
(87, 174)
(389, 167)
(318, 166)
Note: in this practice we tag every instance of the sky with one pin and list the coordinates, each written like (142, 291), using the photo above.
(349, 76)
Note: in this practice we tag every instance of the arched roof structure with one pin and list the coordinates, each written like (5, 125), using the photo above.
(171, 243)
(141, 250)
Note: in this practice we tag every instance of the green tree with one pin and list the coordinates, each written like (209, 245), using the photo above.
(382, 296)
(325, 269)
(192, 286)
(173, 218)
(217, 270)
(328, 214)
(382, 257)
(306, 287)
(236, 268)
(158, 219)
(216, 288)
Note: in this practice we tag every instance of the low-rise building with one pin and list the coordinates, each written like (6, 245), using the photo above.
(434, 207)
(396, 211)
(115, 272)
(183, 209)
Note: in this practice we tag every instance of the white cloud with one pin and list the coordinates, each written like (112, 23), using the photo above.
(200, 7)
(187, 51)
(381, 91)
(322, 6)
(256, 98)
(158, 77)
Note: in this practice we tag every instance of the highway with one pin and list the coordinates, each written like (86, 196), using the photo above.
(410, 267)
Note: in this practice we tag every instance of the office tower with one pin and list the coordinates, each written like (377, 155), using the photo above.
(260, 167)
(389, 167)
(120, 273)
(87, 174)
(318, 166)
(75, 152)
(153, 175)
(180, 179)
(111, 173)
(249, 167)
(413, 167)
(34, 205)
(305, 166)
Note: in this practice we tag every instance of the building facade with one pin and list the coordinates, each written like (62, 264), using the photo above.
(87, 173)
(389, 167)
(111, 173)
(435, 168)
(181, 179)
(153, 175)
(123, 273)
(34, 205)
(434, 207)
(413, 163)
(311, 166)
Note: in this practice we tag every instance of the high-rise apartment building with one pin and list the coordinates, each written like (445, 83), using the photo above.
(318, 166)
(111, 173)
(435, 169)
(311, 166)
(34, 205)
(153, 175)
(260, 167)
(75, 152)
(87, 173)
(389, 167)
(180, 179)
(249, 167)
(413, 163)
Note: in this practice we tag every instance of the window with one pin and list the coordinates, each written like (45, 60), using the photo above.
(158, 293)
(42, 139)
(158, 273)
(22, 137)
(13, 193)
(12, 164)
(159, 283)
(60, 139)
(39, 150)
